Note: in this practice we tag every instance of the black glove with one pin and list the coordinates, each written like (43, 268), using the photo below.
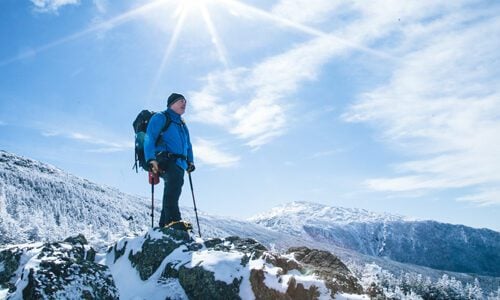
(190, 167)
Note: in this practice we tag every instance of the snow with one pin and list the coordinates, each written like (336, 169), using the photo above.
(302, 211)
(351, 297)
(3, 294)
(130, 285)
(39, 202)
(280, 282)
(29, 260)
(225, 265)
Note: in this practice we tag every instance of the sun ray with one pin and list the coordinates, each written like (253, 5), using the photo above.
(221, 51)
(171, 45)
(106, 25)
(303, 28)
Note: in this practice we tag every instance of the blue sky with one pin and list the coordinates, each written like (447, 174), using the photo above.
(385, 105)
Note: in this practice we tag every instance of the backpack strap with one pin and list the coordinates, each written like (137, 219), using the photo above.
(168, 121)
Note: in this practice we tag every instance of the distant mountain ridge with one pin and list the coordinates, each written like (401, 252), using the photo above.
(437, 245)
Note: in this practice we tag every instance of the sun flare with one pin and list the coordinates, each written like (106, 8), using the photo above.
(190, 5)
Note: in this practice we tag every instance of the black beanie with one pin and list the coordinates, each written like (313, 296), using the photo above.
(173, 98)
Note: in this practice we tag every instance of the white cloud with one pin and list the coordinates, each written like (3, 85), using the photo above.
(106, 145)
(442, 105)
(101, 5)
(52, 5)
(484, 198)
(208, 153)
(250, 103)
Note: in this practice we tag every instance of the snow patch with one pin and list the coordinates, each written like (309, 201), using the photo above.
(226, 266)
(3, 294)
(351, 297)
(130, 285)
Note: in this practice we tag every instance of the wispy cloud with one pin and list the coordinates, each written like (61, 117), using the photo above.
(97, 28)
(250, 103)
(52, 5)
(208, 152)
(485, 197)
(442, 105)
(105, 145)
(101, 5)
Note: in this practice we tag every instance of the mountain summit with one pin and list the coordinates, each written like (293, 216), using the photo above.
(432, 244)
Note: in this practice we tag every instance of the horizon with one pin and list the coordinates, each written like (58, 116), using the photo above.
(343, 104)
(279, 208)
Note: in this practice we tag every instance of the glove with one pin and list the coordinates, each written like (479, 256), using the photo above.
(190, 167)
(153, 166)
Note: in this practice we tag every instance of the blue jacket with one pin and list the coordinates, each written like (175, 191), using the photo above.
(174, 140)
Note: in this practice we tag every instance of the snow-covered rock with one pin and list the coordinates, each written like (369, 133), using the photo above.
(172, 264)
(58, 270)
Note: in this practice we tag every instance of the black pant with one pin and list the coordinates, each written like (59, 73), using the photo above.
(173, 177)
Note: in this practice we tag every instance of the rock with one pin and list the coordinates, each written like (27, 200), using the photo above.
(154, 251)
(199, 283)
(172, 265)
(338, 278)
(294, 291)
(10, 260)
(79, 239)
(62, 271)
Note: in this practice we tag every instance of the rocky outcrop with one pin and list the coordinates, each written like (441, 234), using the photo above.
(328, 267)
(171, 264)
(64, 270)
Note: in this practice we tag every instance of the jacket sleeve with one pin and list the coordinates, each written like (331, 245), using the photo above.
(190, 157)
(154, 127)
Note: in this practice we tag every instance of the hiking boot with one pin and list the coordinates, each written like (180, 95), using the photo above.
(180, 225)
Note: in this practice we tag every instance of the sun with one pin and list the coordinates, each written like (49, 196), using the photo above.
(198, 9)
(192, 5)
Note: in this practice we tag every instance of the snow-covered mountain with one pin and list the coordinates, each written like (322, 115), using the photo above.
(437, 245)
(39, 202)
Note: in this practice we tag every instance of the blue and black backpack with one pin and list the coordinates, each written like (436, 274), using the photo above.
(140, 126)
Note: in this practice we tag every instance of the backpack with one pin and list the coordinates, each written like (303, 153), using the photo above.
(140, 126)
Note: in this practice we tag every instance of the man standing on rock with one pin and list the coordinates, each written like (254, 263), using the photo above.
(168, 151)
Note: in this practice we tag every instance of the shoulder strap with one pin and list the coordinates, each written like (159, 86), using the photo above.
(168, 121)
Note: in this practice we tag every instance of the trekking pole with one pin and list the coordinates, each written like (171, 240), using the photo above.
(153, 179)
(152, 205)
(194, 203)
